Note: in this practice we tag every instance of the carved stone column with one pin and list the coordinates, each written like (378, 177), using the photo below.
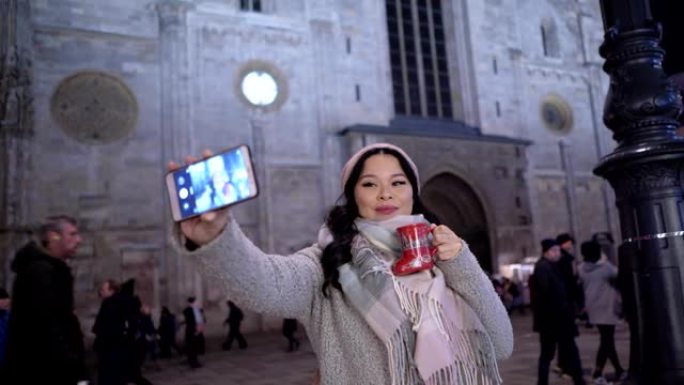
(16, 128)
(570, 191)
(176, 130)
(259, 124)
(645, 171)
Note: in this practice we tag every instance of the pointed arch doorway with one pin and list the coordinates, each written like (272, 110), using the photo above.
(457, 205)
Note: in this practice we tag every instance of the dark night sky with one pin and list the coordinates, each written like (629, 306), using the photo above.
(671, 14)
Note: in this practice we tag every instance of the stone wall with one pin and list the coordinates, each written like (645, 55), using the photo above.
(514, 77)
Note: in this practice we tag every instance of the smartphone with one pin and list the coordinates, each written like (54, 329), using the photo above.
(210, 184)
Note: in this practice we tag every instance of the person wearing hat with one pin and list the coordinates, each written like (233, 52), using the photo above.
(367, 325)
(554, 317)
(598, 277)
(568, 268)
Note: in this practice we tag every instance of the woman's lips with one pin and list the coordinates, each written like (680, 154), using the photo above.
(385, 210)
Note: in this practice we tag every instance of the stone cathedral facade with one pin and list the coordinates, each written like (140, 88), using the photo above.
(499, 103)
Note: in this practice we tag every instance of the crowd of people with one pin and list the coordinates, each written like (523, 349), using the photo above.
(566, 290)
(41, 339)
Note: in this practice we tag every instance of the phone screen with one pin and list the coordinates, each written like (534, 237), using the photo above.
(212, 183)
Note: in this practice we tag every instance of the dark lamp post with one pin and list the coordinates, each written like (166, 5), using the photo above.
(646, 171)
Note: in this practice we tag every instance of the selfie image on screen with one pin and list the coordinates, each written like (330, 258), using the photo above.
(215, 182)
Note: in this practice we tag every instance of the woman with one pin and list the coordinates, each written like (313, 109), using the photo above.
(224, 191)
(598, 280)
(367, 326)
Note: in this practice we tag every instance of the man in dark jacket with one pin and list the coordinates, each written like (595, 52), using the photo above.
(110, 337)
(45, 341)
(193, 332)
(554, 317)
(567, 267)
(132, 305)
(233, 321)
(4, 326)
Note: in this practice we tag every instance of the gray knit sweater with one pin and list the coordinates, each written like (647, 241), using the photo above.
(348, 351)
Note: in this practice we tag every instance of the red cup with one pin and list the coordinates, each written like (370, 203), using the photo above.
(417, 250)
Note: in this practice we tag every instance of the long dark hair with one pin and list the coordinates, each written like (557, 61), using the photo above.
(340, 219)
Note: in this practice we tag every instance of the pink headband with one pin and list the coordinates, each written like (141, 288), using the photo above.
(349, 166)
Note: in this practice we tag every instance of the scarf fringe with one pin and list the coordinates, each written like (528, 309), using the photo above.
(437, 311)
(471, 366)
(411, 302)
(474, 357)
(474, 363)
(401, 366)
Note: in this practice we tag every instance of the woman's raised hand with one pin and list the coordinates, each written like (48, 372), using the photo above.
(204, 228)
(448, 244)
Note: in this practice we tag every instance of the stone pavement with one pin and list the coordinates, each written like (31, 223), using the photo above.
(266, 361)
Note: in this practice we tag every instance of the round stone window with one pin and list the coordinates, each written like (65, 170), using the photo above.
(556, 114)
(94, 107)
(261, 85)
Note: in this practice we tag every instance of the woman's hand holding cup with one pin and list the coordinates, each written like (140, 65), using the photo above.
(204, 228)
(448, 244)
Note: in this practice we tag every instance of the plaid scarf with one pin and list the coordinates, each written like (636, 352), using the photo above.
(432, 335)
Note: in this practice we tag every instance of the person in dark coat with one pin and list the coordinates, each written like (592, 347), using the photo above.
(554, 317)
(146, 341)
(45, 344)
(167, 333)
(4, 326)
(234, 320)
(193, 329)
(110, 336)
(567, 266)
(289, 329)
(132, 305)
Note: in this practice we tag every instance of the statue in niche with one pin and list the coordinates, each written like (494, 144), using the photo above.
(15, 97)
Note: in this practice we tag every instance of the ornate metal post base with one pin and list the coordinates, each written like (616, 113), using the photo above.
(646, 172)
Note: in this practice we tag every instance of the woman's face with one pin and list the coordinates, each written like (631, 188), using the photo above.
(383, 190)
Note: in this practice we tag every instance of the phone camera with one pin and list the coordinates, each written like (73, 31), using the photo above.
(183, 193)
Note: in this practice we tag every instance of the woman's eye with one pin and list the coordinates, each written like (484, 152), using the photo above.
(398, 183)
(367, 184)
